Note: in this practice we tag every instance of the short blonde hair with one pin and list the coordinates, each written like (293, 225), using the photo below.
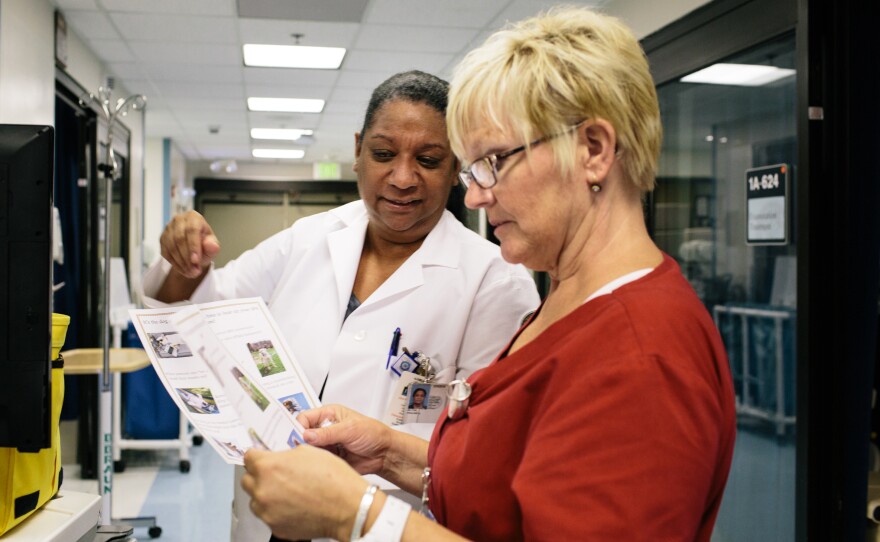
(544, 74)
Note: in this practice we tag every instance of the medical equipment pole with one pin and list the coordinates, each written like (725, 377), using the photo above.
(109, 171)
(105, 426)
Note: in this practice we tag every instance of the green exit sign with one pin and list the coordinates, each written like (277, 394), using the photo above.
(327, 170)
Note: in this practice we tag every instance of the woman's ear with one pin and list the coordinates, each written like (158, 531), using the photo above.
(357, 151)
(600, 140)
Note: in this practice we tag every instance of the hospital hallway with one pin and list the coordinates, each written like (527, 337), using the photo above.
(763, 191)
(189, 507)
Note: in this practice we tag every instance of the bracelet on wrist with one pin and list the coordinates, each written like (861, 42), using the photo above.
(390, 523)
(363, 509)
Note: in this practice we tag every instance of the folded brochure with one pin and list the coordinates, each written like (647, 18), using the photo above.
(226, 366)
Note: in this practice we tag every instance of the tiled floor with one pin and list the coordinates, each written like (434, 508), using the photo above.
(194, 507)
(190, 507)
(759, 499)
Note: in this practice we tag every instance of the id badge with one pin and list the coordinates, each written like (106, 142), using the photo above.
(415, 400)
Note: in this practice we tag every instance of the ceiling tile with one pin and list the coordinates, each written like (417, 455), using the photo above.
(336, 107)
(158, 117)
(222, 149)
(189, 150)
(396, 61)
(307, 10)
(222, 139)
(228, 135)
(282, 78)
(418, 39)
(314, 34)
(127, 70)
(204, 102)
(111, 50)
(186, 57)
(350, 94)
(165, 130)
(264, 119)
(188, 7)
(133, 85)
(186, 53)
(170, 89)
(222, 117)
(288, 91)
(366, 81)
(156, 102)
(66, 5)
(194, 73)
(172, 27)
(161, 116)
(90, 25)
(343, 124)
(453, 13)
(522, 9)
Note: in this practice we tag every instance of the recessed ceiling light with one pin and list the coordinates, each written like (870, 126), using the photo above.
(293, 56)
(289, 105)
(288, 134)
(747, 75)
(291, 154)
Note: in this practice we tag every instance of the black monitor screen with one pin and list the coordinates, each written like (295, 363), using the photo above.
(26, 164)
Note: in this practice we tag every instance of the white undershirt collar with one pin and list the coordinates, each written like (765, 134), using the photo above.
(618, 282)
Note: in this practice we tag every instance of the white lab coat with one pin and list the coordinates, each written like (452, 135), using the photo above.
(454, 300)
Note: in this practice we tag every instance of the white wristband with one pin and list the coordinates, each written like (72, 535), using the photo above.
(389, 526)
(361, 517)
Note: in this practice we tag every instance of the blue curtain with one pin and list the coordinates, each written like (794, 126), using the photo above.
(68, 149)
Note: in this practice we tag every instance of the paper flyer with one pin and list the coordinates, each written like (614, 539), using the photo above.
(228, 369)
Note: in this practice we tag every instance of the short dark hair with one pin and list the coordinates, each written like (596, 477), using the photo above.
(414, 86)
(417, 87)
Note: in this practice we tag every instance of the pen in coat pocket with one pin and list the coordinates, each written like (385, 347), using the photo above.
(395, 341)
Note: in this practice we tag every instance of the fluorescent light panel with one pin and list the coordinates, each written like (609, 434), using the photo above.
(287, 134)
(747, 75)
(286, 105)
(293, 56)
(290, 154)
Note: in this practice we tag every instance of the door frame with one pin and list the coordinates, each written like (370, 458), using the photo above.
(838, 230)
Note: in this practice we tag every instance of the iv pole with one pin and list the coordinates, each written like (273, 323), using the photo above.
(109, 170)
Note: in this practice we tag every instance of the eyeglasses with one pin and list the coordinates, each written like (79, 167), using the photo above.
(484, 171)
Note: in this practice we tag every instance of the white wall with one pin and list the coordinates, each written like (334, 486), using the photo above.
(136, 186)
(27, 89)
(181, 184)
(154, 197)
(84, 67)
(157, 193)
(27, 62)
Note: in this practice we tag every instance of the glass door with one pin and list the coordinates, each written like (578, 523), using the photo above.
(723, 208)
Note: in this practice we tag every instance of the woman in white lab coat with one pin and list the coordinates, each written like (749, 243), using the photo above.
(340, 283)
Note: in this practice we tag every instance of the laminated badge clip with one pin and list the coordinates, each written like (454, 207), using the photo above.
(423, 369)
